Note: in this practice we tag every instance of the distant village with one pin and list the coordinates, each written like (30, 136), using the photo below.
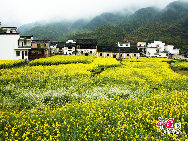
(13, 46)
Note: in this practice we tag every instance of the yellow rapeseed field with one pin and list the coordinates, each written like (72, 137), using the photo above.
(10, 63)
(63, 100)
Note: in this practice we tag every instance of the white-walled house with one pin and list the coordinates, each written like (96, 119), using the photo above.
(24, 45)
(151, 51)
(70, 47)
(13, 46)
(141, 44)
(124, 44)
(87, 47)
(171, 49)
(53, 48)
(117, 52)
(159, 44)
(157, 49)
(142, 48)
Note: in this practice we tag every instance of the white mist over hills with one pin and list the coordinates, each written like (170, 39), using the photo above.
(18, 12)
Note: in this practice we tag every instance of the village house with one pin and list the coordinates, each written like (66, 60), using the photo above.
(53, 48)
(87, 47)
(13, 45)
(39, 49)
(60, 48)
(157, 49)
(24, 45)
(171, 51)
(70, 47)
(142, 48)
(117, 52)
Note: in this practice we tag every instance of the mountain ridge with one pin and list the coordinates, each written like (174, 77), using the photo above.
(168, 24)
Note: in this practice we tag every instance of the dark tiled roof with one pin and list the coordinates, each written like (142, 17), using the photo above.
(60, 44)
(4, 31)
(40, 41)
(27, 37)
(53, 43)
(117, 49)
(70, 44)
(9, 27)
(9, 33)
(86, 42)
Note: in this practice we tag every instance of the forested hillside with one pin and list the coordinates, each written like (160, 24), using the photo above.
(169, 25)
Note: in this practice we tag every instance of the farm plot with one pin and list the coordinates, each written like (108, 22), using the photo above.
(66, 101)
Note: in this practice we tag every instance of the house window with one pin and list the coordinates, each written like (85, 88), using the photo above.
(25, 53)
(17, 53)
(134, 55)
(127, 54)
(90, 51)
(114, 56)
(82, 52)
(121, 55)
(107, 54)
(25, 42)
(38, 45)
(100, 54)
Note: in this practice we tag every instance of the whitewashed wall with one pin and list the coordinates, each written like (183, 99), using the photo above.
(87, 51)
(150, 52)
(8, 42)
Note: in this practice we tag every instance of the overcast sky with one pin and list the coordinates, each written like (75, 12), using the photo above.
(17, 12)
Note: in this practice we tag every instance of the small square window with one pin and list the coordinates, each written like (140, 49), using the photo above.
(135, 55)
(90, 51)
(107, 54)
(127, 54)
(82, 52)
(17, 53)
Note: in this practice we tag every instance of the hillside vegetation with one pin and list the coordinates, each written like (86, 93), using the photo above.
(147, 24)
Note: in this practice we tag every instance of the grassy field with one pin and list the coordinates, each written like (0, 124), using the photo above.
(87, 98)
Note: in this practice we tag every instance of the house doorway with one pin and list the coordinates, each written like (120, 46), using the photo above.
(114, 56)
(22, 54)
(86, 54)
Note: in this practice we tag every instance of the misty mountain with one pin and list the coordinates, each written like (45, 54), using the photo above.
(169, 24)
(52, 31)
(27, 27)
(107, 19)
(57, 30)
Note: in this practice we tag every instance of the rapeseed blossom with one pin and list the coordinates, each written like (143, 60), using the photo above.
(10, 63)
(55, 100)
